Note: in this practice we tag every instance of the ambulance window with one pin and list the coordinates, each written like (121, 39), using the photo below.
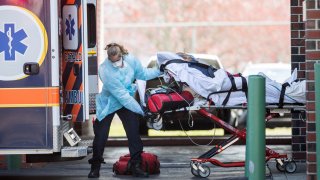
(91, 14)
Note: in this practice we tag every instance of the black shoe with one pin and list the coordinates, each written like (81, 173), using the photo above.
(137, 171)
(95, 171)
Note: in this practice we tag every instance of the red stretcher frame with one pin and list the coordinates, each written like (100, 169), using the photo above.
(283, 163)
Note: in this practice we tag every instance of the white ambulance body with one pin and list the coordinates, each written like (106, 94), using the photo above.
(47, 75)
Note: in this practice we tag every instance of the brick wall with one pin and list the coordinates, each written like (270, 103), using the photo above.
(305, 51)
(312, 36)
(298, 61)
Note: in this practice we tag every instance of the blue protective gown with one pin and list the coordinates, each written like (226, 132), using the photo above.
(118, 88)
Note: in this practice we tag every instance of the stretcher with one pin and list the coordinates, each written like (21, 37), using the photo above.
(219, 89)
(198, 167)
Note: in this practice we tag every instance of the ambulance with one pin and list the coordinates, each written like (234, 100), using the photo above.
(48, 75)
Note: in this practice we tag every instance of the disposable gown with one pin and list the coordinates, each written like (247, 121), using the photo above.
(118, 88)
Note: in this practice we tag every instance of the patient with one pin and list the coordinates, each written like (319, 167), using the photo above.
(223, 88)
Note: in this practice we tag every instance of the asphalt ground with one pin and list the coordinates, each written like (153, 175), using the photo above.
(174, 160)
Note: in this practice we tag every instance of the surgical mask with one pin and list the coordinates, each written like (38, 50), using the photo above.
(118, 64)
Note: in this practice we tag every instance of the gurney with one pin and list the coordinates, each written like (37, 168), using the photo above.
(198, 168)
(230, 97)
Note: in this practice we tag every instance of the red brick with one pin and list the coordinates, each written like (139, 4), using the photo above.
(311, 126)
(310, 86)
(302, 33)
(311, 156)
(296, 10)
(297, 42)
(310, 65)
(310, 160)
(302, 66)
(313, 14)
(301, 74)
(311, 177)
(310, 106)
(294, 3)
(299, 139)
(303, 131)
(310, 75)
(311, 45)
(311, 116)
(311, 24)
(297, 26)
(313, 34)
(313, 55)
(294, 34)
(302, 50)
(299, 155)
(311, 167)
(310, 96)
(294, 18)
(311, 136)
(310, 4)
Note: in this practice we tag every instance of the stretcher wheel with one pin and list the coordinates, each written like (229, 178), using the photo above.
(291, 167)
(194, 170)
(157, 125)
(280, 168)
(203, 171)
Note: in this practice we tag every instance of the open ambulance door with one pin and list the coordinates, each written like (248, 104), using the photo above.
(75, 63)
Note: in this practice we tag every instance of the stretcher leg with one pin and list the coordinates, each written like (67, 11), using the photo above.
(200, 170)
(220, 147)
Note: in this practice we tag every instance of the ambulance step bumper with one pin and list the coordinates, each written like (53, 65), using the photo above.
(76, 151)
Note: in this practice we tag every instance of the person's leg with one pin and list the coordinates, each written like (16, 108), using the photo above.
(101, 133)
(131, 125)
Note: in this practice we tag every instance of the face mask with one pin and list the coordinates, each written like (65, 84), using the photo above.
(117, 64)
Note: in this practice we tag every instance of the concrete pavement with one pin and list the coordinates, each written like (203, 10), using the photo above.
(174, 165)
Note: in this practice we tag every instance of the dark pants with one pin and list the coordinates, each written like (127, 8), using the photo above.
(101, 131)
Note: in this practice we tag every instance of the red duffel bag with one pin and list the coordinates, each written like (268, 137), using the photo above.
(149, 164)
(158, 103)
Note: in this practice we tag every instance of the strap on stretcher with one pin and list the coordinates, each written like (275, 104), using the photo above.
(233, 88)
(245, 90)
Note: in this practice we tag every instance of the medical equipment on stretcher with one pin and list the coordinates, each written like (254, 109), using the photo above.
(162, 101)
(198, 169)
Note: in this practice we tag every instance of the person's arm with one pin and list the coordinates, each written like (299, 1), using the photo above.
(116, 88)
(143, 73)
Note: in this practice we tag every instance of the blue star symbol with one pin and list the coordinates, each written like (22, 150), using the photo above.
(11, 42)
(70, 27)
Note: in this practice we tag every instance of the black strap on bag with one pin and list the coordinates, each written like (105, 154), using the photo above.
(209, 69)
(232, 89)
(244, 86)
(282, 93)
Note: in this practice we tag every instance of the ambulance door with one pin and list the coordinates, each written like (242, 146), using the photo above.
(74, 60)
(92, 56)
(29, 92)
